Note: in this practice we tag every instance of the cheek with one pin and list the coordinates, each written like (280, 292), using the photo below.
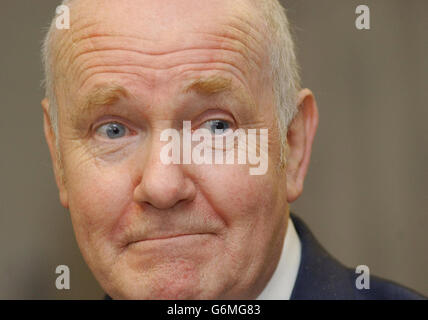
(241, 199)
(97, 197)
(253, 214)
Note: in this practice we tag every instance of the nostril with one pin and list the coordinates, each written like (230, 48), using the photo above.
(163, 186)
(164, 195)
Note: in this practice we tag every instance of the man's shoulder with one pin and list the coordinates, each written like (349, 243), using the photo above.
(321, 276)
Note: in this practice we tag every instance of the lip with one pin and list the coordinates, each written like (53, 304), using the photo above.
(169, 237)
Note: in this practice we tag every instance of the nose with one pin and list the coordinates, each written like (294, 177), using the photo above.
(163, 185)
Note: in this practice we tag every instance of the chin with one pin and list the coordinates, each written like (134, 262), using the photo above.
(161, 292)
(158, 285)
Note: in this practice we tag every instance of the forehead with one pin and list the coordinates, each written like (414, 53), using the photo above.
(156, 18)
(155, 31)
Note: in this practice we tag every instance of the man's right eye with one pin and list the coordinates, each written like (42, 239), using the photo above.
(112, 130)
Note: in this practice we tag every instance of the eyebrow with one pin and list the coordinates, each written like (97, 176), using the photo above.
(209, 85)
(217, 84)
(103, 95)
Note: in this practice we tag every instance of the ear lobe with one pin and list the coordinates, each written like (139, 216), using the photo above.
(300, 138)
(56, 163)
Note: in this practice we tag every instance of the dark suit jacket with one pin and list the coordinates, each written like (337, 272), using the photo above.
(321, 276)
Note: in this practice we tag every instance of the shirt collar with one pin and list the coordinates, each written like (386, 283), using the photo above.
(281, 284)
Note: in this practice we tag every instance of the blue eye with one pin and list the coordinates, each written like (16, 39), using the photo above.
(112, 130)
(217, 126)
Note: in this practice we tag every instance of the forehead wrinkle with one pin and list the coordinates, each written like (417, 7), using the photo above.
(231, 35)
(64, 38)
(232, 20)
(235, 32)
(238, 19)
(225, 40)
(68, 39)
(242, 31)
(90, 67)
(96, 45)
(65, 45)
(97, 42)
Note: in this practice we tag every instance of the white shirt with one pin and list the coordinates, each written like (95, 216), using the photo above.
(281, 284)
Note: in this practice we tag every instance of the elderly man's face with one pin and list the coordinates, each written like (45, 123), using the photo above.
(131, 69)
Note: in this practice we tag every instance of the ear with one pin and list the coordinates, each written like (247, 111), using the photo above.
(300, 137)
(56, 162)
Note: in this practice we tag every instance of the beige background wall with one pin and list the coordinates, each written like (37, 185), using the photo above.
(366, 193)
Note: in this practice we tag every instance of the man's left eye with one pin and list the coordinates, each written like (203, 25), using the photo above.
(216, 126)
(112, 130)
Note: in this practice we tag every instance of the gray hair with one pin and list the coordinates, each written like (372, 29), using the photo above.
(48, 81)
(284, 68)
